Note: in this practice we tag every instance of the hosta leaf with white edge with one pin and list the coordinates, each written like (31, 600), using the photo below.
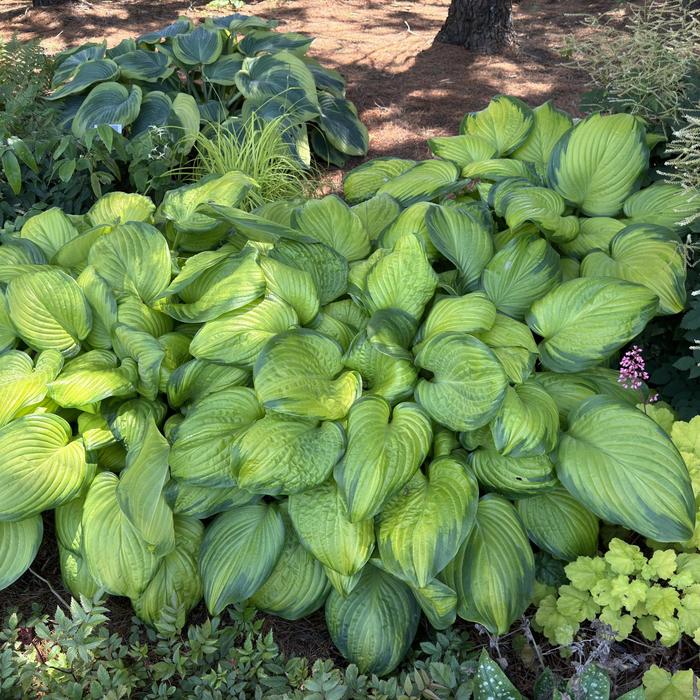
(624, 468)
(19, 543)
(506, 122)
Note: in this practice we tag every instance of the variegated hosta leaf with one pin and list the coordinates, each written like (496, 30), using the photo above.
(438, 602)
(377, 214)
(648, 255)
(567, 390)
(132, 312)
(204, 501)
(427, 180)
(300, 373)
(95, 431)
(584, 321)
(513, 344)
(176, 581)
(107, 103)
(463, 149)
(131, 420)
(594, 234)
(320, 518)
(117, 208)
(341, 583)
(50, 231)
(42, 465)
(362, 182)
(423, 526)
(118, 558)
(297, 585)
(239, 552)
(506, 122)
(301, 456)
(385, 448)
(19, 543)
(663, 204)
(373, 626)
(550, 125)
(468, 382)
(527, 423)
(557, 523)
(543, 207)
(413, 220)
(513, 477)
(24, 385)
(624, 468)
(520, 273)
(294, 286)
(49, 311)
(597, 165)
(145, 351)
(8, 334)
(103, 306)
(75, 574)
(197, 378)
(494, 571)
(201, 46)
(496, 169)
(201, 452)
(134, 260)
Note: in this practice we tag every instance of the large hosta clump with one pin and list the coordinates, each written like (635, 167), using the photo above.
(224, 69)
(382, 406)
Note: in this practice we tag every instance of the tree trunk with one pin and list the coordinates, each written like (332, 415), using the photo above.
(483, 26)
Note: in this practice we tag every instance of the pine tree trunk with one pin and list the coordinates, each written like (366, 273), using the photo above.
(482, 26)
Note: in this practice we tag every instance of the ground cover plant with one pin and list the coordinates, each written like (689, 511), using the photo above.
(380, 406)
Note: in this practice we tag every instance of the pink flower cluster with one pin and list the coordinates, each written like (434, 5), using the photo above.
(633, 371)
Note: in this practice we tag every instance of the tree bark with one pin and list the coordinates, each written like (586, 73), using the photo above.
(482, 26)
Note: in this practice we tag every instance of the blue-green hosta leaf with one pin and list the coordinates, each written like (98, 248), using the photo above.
(144, 66)
(265, 41)
(320, 518)
(198, 47)
(68, 62)
(365, 180)
(426, 180)
(520, 273)
(294, 286)
(49, 311)
(50, 230)
(491, 682)
(527, 423)
(595, 233)
(424, 525)
(297, 585)
(134, 260)
(438, 602)
(176, 580)
(377, 213)
(648, 255)
(373, 626)
(385, 448)
(624, 468)
(584, 321)
(98, 70)
(468, 382)
(239, 552)
(663, 204)
(494, 571)
(197, 378)
(550, 125)
(327, 79)
(557, 523)
(463, 149)
(224, 70)
(19, 543)
(506, 122)
(461, 239)
(140, 490)
(332, 222)
(300, 373)
(107, 103)
(204, 501)
(237, 337)
(301, 456)
(117, 208)
(201, 453)
(513, 477)
(598, 164)
(118, 558)
(145, 351)
(341, 126)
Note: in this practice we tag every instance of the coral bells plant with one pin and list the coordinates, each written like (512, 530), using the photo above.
(633, 373)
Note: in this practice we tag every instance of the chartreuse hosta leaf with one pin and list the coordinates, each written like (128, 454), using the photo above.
(202, 502)
(438, 602)
(549, 126)
(201, 452)
(300, 373)
(385, 448)
(557, 523)
(50, 231)
(599, 163)
(584, 321)
(513, 477)
(464, 149)
(320, 518)
(239, 552)
(103, 306)
(513, 344)
(117, 208)
(494, 570)
(118, 558)
(422, 527)
(196, 379)
(297, 585)
(413, 220)
(176, 581)
(301, 456)
(19, 543)
(527, 422)
(506, 123)
(624, 468)
(648, 255)
(468, 382)
(294, 286)
(595, 233)
(143, 349)
(662, 204)
(543, 207)
(42, 465)
(377, 214)
(49, 311)
(364, 181)
(374, 625)
(107, 103)
(8, 335)
(426, 180)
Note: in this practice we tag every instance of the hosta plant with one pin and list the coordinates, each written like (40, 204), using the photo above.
(223, 69)
(380, 405)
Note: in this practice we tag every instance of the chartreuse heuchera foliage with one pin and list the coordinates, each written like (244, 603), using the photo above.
(379, 405)
(225, 69)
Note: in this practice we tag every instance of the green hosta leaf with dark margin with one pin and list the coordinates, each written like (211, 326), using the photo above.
(506, 122)
(365, 180)
(117, 208)
(662, 204)
(513, 344)
(341, 126)
(463, 149)
(549, 126)
(513, 477)
(428, 179)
